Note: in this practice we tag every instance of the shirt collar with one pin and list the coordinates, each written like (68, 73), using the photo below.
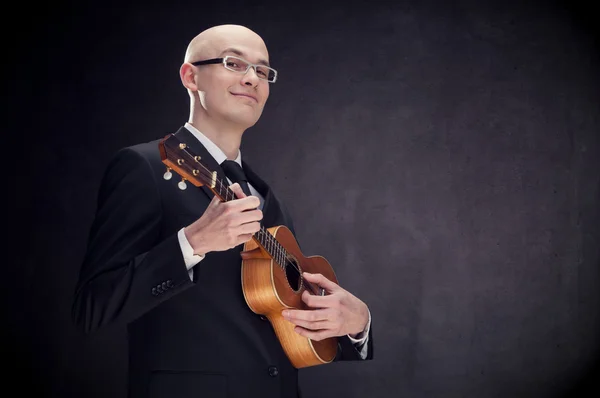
(211, 147)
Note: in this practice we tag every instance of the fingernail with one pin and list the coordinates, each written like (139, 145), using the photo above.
(285, 314)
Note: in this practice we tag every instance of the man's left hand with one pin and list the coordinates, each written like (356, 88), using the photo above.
(336, 314)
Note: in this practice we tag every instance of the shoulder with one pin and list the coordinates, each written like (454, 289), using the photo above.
(146, 150)
(145, 153)
(131, 165)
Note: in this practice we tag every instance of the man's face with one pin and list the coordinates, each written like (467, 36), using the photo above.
(234, 97)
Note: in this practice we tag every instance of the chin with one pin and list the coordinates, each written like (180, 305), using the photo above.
(251, 124)
(245, 120)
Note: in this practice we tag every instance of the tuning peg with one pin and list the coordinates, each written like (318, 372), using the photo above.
(181, 184)
(168, 174)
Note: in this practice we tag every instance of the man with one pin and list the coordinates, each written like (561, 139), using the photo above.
(166, 262)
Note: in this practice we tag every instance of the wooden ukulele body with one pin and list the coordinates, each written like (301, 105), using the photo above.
(269, 288)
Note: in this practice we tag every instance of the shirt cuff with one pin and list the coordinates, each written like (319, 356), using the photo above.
(189, 257)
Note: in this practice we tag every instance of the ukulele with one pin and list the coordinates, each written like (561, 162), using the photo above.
(272, 263)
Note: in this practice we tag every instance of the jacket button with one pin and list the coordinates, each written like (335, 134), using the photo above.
(273, 371)
(164, 286)
(169, 283)
(154, 293)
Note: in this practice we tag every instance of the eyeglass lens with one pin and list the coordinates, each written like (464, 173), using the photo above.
(239, 65)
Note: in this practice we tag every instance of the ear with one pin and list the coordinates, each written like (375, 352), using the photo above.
(187, 74)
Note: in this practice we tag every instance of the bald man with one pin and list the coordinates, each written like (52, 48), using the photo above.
(165, 261)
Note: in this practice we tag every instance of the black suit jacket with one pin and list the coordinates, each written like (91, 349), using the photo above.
(187, 338)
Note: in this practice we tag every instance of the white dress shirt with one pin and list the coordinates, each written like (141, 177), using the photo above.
(192, 259)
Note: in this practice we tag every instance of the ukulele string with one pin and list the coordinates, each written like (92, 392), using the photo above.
(209, 175)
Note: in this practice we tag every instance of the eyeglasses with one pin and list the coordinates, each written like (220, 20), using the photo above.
(242, 66)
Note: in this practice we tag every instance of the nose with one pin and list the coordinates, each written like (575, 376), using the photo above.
(250, 78)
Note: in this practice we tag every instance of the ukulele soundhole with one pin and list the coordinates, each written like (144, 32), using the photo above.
(292, 273)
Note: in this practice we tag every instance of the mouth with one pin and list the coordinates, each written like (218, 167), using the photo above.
(242, 95)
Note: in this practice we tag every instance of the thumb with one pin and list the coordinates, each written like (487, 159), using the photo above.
(322, 281)
(215, 201)
(237, 190)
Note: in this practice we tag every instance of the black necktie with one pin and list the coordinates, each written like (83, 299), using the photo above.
(236, 174)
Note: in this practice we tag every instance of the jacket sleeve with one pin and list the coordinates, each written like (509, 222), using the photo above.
(127, 270)
(347, 351)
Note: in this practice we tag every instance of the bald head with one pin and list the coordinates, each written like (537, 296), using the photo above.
(213, 41)
(224, 101)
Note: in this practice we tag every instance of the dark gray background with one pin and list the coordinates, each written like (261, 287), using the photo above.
(443, 156)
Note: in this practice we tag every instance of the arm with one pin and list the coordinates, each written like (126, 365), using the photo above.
(127, 269)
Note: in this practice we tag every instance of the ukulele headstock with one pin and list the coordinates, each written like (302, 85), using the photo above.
(178, 157)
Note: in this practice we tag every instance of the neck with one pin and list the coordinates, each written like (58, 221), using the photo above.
(227, 136)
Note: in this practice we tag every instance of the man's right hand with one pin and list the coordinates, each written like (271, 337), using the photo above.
(225, 225)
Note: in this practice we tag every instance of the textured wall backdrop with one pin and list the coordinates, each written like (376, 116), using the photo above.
(444, 158)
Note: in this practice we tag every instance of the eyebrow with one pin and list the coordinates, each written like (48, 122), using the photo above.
(241, 54)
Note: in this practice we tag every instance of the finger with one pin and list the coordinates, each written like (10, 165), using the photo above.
(249, 228)
(305, 315)
(246, 203)
(250, 216)
(244, 238)
(215, 201)
(237, 190)
(316, 335)
(250, 202)
(314, 301)
(318, 325)
(323, 282)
